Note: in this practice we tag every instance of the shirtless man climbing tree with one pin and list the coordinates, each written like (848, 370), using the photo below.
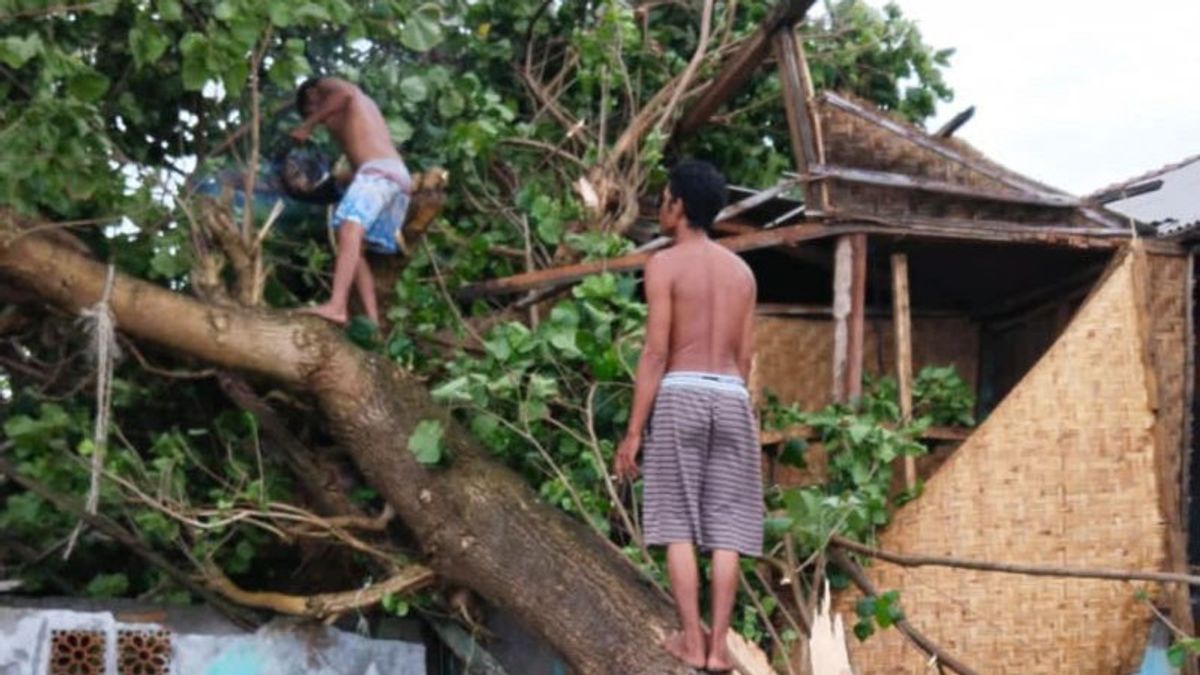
(703, 468)
(374, 206)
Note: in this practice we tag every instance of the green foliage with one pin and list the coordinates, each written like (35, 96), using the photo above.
(943, 397)
(890, 65)
(426, 444)
(882, 611)
(1182, 649)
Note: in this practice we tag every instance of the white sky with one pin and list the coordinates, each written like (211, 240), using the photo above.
(1075, 93)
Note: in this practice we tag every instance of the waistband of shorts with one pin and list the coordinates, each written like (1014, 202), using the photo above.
(701, 380)
(392, 169)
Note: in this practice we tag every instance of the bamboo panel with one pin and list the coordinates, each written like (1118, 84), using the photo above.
(854, 142)
(793, 355)
(1062, 473)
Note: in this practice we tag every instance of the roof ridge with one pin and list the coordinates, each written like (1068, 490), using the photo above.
(1142, 178)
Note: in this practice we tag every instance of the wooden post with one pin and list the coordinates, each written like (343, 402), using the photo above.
(843, 259)
(902, 323)
(849, 302)
(804, 127)
(858, 314)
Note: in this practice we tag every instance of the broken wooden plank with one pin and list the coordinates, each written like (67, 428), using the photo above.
(795, 100)
(561, 275)
(903, 181)
(955, 123)
(738, 70)
(1118, 194)
(757, 199)
(902, 327)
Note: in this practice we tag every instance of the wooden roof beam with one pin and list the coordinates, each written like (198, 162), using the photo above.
(738, 69)
(846, 223)
(904, 181)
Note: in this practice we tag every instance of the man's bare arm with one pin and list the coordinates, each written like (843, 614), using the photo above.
(651, 365)
(337, 96)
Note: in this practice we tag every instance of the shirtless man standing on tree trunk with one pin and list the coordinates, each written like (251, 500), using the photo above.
(376, 203)
(703, 464)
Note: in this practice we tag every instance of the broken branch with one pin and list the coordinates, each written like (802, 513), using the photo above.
(320, 605)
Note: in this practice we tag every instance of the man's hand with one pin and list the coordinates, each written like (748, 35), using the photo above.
(625, 463)
(301, 133)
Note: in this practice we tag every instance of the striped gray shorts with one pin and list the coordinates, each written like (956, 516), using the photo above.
(703, 465)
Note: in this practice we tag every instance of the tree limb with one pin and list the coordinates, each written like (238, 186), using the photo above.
(122, 536)
(321, 605)
(860, 579)
(1014, 568)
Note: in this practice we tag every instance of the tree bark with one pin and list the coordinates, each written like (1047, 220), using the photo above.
(480, 525)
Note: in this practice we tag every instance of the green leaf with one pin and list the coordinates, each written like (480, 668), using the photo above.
(425, 442)
(865, 608)
(147, 45)
(423, 29)
(451, 104)
(87, 85)
(394, 604)
(542, 387)
(107, 585)
(280, 12)
(170, 10)
(456, 390)
(16, 51)
(414, 89)
(777, 526)
(225, 10)
(399, 129)
(863, 630)
(194, 47)
(792, 453)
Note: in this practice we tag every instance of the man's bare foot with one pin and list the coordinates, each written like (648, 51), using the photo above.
(718, 660)
(677, 646)
(327, 312)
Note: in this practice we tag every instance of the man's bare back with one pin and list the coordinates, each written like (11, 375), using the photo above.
(352, 118)
(712, 305)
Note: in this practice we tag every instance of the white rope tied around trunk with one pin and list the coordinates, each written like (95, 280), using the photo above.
(99, 323)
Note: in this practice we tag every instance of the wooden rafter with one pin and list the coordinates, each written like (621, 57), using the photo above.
(844, 223)
(738, 69)
(905, 181)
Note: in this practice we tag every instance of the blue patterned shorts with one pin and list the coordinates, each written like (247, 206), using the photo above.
(377, 199)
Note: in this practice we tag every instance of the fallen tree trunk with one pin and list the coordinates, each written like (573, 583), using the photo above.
(479, 524)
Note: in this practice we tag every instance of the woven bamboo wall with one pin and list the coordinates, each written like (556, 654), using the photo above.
(1166, 294)
(852, 141)
(1062, 473)
(794, 355)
